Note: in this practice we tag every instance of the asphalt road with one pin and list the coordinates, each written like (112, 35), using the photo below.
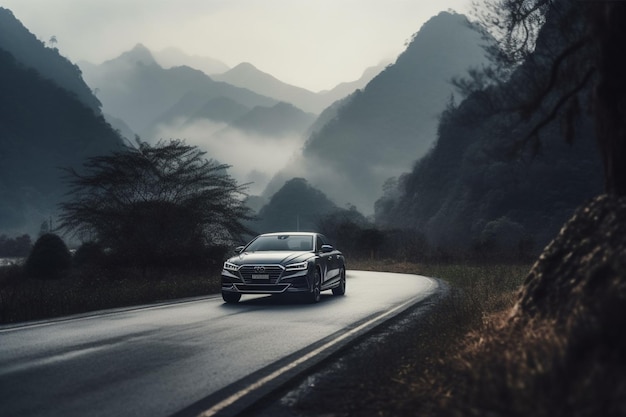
(195, 356)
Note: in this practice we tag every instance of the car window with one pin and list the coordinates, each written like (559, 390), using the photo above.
(281, 243)
(322, 240)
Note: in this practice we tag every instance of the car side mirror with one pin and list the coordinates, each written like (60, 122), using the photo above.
(327, 248)
(239, 249)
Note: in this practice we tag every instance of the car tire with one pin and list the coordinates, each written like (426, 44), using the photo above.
(231, 297)
(315, 295)
(341, 289)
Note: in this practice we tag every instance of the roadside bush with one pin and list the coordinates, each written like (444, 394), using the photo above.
(49, 259)
(89, 254)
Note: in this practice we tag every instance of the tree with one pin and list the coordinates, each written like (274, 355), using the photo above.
(591, 58)
(155, 204)
(19, 246)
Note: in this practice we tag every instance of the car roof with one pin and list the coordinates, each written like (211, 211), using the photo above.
(290, 233)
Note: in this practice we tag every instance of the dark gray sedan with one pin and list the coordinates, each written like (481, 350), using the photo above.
(285, 263)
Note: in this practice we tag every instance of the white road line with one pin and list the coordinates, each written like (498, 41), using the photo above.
(238, 395)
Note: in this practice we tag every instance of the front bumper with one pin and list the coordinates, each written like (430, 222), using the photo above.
(279, 280)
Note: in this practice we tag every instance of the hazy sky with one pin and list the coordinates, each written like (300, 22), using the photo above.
(314, 44)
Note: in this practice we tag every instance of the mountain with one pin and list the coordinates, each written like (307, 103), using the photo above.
(135, 88)
(296, 206)
(43, 127)
(220, 109)
(194, 106)
(379, 131)
(472, 191)
(277, 121)
(32, 53)
(174, 57)
(248, 76)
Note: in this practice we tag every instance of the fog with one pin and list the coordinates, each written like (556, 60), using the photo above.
(254, 158)
(265, 163)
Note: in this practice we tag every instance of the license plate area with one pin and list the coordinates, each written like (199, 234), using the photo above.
(260, 276)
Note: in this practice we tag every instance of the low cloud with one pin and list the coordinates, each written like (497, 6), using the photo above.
(253, 158)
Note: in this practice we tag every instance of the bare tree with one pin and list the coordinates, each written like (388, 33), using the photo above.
(155, 203)
(588, 56)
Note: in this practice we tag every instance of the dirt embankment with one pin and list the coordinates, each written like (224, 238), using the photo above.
(561, 350)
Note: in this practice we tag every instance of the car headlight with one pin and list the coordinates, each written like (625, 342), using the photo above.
(231, 267)
(300, 266)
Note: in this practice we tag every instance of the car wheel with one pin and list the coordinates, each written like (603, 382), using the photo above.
(315, 294)
(231, 297)
(341, 289)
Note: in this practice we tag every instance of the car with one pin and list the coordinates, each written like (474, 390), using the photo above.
(303, 263)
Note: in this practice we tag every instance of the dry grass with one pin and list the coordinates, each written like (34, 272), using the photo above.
(470, 356)
(419, 367)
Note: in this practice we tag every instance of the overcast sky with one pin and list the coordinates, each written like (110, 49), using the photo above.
(314, 44)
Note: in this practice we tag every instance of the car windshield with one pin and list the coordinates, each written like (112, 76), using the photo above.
(281, 243)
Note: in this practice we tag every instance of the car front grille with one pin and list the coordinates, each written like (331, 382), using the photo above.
(260, 274)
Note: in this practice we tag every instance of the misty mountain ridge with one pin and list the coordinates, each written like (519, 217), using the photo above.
(381, 130)
(32, 53)
(471, 193)
(135, 88)
(277, 121)
(175, 57)
(185, 103)
(44, 126)
(248, 76)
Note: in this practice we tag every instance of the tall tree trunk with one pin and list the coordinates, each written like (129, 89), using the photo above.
(610, 94)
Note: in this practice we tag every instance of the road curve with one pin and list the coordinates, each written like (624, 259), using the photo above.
(196, 356)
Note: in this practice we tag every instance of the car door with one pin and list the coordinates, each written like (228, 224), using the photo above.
(329, 260)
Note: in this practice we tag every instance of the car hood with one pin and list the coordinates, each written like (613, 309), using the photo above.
(266, 257)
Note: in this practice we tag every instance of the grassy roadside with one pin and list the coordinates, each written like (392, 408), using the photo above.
(84, 290)
(407, 370)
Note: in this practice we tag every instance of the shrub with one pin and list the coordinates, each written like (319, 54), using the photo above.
(49, 259)
(89, 253)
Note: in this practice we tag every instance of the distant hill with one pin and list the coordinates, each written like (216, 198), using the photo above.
(276, 121)
(43, 127)
(296, 206)
(174, 57)
(135, 88)
(220, 109)
(32, 53)
(248, 76)
(379, 131)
